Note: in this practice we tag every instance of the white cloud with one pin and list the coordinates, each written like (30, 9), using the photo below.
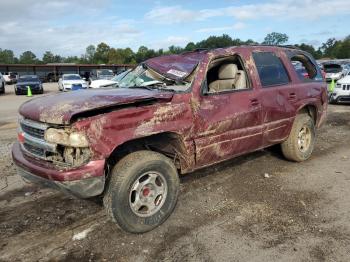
(177, 14)
(226, 29)
(283, 9)
(67, 40)
(40, 10)
(65, 27)
(169, 41)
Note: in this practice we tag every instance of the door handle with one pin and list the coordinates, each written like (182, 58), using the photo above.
(254, 102)
(292, 96)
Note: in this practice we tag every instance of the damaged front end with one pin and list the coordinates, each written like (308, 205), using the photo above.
(61, 146)
(58, 157)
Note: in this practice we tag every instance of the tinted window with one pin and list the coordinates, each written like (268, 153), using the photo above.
(28, 78)
(332, 68)
(270, 69)
(71, 77)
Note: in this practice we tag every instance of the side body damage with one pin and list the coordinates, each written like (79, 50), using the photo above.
(194, 128)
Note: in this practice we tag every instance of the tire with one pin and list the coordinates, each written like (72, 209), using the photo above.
(130, 183)
(300, 143)
(2, 89)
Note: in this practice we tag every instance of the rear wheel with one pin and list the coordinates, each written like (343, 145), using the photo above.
(300, 143)
(142, 191)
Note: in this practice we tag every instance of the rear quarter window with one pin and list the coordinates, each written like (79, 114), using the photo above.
(306, 69)
(270, 69)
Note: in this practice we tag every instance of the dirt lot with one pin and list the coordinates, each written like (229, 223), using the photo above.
(229, 212)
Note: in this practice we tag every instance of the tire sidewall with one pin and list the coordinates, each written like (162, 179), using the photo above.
(305, 121)
(121, 209)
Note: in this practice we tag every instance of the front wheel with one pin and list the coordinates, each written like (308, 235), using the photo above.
(300, 143)
(142, 191)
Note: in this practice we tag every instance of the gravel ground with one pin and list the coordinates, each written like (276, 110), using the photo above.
(228, 212)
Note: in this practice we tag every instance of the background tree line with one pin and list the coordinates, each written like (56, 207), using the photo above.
(104, 54)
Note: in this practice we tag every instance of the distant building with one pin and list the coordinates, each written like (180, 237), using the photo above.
(51, 72)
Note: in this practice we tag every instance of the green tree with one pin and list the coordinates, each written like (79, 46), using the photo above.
(48, 57)
(275, 38)
(343, 49)
(28, 57)
(216, 42)
(175, 49)
(141, 54)
(310, 49)
(72, 59)
(90, 53)
(330, 48)
(190, 46)
(101, 54)
(7, 56)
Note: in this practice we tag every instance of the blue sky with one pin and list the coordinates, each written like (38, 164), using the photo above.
(66, 27)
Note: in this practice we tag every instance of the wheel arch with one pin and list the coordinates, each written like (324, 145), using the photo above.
(311, 110)
(170, 144)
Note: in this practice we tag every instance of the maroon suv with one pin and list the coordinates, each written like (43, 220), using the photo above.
(170, 115)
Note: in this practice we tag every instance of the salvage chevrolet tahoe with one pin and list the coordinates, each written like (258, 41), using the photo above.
(170, 116)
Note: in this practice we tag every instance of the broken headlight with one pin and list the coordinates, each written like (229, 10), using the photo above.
(72, 147)
(63, 137)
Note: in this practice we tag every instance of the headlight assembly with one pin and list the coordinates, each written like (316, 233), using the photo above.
(63, 137)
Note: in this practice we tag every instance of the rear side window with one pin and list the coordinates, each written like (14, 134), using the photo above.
(304, 67)
(270, 69)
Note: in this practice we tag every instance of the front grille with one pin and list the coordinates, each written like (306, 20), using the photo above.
(34, 150)
(26, 86)
(32, 131)
(34, 141)
(346, 87)
(344, 99)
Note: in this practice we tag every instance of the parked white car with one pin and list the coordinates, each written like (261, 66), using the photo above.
(10, 78)
(2, 84)
(105, 83)
(71, 82)
(333, 71)
(341, 93)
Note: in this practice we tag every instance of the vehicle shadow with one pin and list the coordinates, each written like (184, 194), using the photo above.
(274, 151)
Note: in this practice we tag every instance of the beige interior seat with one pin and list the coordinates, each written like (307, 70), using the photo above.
(241, 80)
(227, 78)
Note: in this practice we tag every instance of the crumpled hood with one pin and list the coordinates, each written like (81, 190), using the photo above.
(60, 108)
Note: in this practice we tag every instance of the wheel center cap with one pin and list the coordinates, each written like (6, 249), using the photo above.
(146, 191)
